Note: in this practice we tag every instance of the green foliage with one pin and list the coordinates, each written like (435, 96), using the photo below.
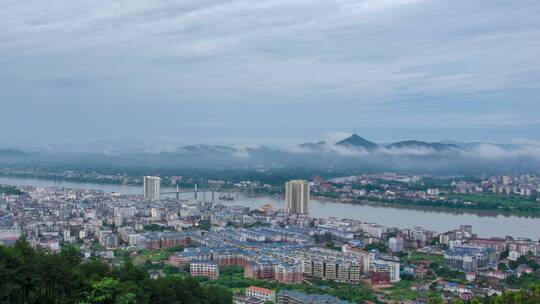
(333, 246)
(10, 190)
(533, 265)
(524, 260)
(156, 227)
(416, 256)
(523, 281)
(380, 247)
(446, 273)
(435, 299)
(522, 296)
(407, 276)
(431, 182)
(203, 224)
(103, 291)
(33, 276)
(490, 201)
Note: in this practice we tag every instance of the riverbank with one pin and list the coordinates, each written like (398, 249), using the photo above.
(482, 204)
(442, 206)
(60, 179)
(436, 219)
(455, 211)
(498, 207)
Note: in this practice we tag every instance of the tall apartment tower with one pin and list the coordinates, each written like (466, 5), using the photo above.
(296, 197)
(506, 180)
(152, 186)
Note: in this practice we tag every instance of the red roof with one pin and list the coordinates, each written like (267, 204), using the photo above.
(260, 289)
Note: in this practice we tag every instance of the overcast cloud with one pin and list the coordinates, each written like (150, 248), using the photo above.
(98, 73)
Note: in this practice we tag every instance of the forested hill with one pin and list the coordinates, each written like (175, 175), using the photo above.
(32, 276)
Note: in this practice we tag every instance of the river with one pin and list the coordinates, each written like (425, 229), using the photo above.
(484, 224)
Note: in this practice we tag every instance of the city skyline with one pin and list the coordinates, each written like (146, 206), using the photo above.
(278, 71)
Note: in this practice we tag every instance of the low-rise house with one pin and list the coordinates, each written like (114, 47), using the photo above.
(261, 293)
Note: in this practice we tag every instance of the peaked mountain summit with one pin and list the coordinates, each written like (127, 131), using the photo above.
(357, 142)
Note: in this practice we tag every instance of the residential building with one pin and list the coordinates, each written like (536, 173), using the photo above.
(296, 197)
(152, 185)
(288, 274)
(204, 268)
(297, 297)
(261, 293)
(499, 244)
(395, 244)
(241, 299)
(384, 272)
(470, 259)
(263, 269)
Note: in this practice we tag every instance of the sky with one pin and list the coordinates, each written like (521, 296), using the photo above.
(104, 74)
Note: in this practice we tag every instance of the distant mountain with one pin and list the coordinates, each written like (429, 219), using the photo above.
(422, 144)
(476, 144)
(313, 146)
(357, 142)
(207, 149)
(349, 156)
(11, 152)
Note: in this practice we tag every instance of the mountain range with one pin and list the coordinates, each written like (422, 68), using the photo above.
(351, 154)
(357, 142)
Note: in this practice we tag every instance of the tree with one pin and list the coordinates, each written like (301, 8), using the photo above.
(523, 296)
(435, 299)
(34, 276)
(128, 298)
(380, 247)
(103, 291)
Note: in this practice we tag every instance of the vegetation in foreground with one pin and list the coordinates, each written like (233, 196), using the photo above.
(34, 276)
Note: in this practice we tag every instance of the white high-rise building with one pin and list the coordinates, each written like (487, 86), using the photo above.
(152, 186)
(506, 180)
(395, 244)
(296, 197)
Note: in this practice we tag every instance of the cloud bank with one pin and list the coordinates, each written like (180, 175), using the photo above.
(195, 70)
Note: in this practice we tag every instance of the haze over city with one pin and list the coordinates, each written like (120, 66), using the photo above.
(100, 76)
